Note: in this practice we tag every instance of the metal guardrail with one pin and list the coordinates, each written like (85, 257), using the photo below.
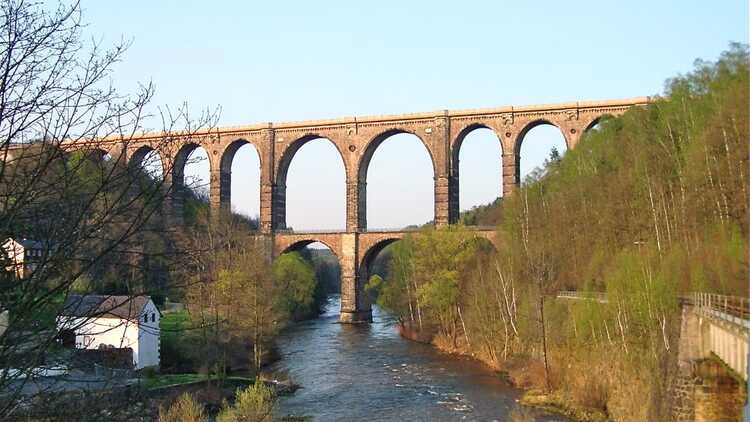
(734, 309)
(573, 294)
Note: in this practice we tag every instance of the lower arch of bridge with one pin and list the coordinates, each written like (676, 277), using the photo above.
(368, 258)
(354, 306)
(302, 244)
(363, 211)
(481, 243)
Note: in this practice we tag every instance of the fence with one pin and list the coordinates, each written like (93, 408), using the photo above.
(732, 309)
(572, 294)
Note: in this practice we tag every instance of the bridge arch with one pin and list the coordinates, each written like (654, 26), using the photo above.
(456, 180)
(486, 240)
(371, 253)
(287, 241)
(95, 154)
(225, 171)
(282, 172)
(374, 143)
(301, 244)
(181, 160)
(556, 137)
(365, 270)
(534, 124)
(363, 167)
(149, 160)
(596, 120)
(290, 150)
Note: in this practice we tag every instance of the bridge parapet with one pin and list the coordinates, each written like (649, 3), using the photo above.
(711, 324)
(732, 309)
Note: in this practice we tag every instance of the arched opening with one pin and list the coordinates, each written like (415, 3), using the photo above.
(91, 157)
(97, 155)
(149, 161)
(481, 245)
(292, 270)
(540, 143)
(240, 179)
(597, 124)
(477, 164)
(192, 170)
(312, 184)
(397, 183)
(375, 268)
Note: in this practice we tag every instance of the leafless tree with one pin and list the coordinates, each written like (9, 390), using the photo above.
(64, 177)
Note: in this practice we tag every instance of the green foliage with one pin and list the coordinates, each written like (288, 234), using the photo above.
(296, 279)
(484, 215)
(184, 409)
(649, 206)
(253, 404)
(374, 285)
(179, 346)
(425, 276)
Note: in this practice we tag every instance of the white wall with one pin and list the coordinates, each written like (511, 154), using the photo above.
(148, 338)
(142, 337)
(93, 332)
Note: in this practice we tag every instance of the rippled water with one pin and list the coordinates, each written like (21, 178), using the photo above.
(369, 373)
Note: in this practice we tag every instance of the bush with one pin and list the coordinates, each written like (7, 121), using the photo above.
(253, 404)
(184, 409)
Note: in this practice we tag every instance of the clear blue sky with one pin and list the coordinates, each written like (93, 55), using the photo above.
(282, 60)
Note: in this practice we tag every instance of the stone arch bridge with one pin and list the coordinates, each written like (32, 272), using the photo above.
(356, 252)
(356, 139)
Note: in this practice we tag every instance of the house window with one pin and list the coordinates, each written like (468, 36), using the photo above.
(145, 318)
(87, 340)
(153, 317)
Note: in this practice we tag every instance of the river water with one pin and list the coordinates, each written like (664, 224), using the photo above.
(369, 373)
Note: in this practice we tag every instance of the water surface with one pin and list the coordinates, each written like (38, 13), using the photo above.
(369, 373)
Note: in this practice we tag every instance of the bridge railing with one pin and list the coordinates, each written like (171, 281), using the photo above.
(303, 231)
(372, 230)
(574, 294)
(734, 309)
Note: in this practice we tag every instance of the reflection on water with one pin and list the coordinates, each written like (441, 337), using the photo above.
(369, 373)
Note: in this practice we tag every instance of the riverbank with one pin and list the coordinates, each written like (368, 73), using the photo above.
(525, 374)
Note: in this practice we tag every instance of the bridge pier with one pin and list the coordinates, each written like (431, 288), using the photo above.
(511, 172)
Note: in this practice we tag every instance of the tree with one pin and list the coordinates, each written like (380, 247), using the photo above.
(58, 114)
(235, 297)
(296, 279)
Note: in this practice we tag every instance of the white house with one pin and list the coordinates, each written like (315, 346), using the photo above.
(22, 256)
(97, 321)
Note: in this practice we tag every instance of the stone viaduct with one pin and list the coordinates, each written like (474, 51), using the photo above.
(357, 139)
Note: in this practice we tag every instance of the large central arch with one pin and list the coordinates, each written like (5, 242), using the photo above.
(364, 166)
(282, 171)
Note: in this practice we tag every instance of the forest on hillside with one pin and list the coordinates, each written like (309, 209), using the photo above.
(649, 206)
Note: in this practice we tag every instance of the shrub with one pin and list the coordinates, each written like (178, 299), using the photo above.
(184, 409)
(253, 404)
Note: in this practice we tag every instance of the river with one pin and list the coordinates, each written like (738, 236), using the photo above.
(369, 373)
